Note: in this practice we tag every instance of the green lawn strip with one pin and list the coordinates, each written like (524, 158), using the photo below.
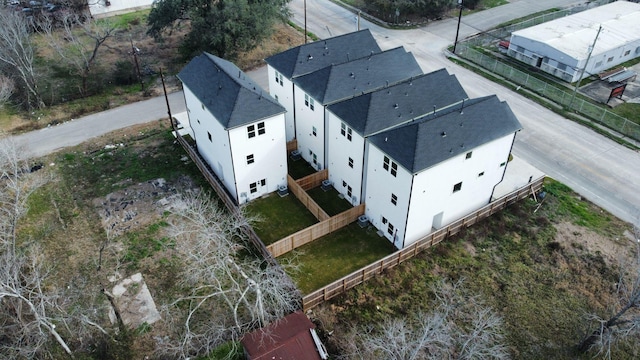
(299, 168)
(279, 217)
(329, 201)
(336, 255)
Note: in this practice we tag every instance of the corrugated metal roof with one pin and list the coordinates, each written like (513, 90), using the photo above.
(286, 339)
(574, 34)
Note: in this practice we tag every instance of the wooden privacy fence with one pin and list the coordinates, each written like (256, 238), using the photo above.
(292, 145)
(357, 277)
(306, 200)
(315, 231)
(314, 180)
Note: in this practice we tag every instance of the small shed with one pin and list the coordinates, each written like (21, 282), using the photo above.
(290, 338)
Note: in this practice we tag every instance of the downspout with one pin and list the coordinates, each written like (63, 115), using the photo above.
(505, 167)
(233, 169)
(362, 173)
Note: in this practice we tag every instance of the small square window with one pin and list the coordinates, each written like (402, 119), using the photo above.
(390, 229)
(394, 168)
(385, 163)
(314, 131)
(394, 199)
(627, 52)
(351, 163)
(343, 129)
(263, 182)
(261, 129)
(384, 220)
(251, 131)
(308, 101)
(457, 187)
(468, 156)
(276, 97)
(209, 136)
(349, 191)
(253, 188)
(250, 159)
(344, 183)
(349, 137)
(481, 174)
(503, 164)
(610, 59)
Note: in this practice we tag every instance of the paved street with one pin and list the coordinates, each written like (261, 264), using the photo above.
(599, 169)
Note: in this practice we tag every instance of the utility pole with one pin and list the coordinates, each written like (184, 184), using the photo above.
(166, 98)
(455, 43)
(134, 51)
(575, 90)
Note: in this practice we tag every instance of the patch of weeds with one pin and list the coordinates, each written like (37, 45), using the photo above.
(231, 350)
(143, 328)
(143, 244)
(580, 211)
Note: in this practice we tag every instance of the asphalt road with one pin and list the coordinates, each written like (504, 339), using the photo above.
(599, 169)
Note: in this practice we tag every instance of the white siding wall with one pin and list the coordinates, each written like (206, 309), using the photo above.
(339, 150)
(306, 121)
(380, 186)
(269, 158)
(217, 151)
(433, 189)
(284, 94)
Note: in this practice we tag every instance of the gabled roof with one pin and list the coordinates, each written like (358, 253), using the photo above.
(286, 339)
(394, 105)
(316, 55)
(437, 137)
(342, 81)
(227, 92)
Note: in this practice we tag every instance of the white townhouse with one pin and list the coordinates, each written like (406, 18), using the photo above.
(282, 68)
(436, 169)
(351, 122)
(239, 128)
(334, 83)
(561, 47)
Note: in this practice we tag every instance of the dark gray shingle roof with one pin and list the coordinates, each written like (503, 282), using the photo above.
(394, 105)
(346, 80)
(227, 92)
(435, 138)
(316, 55)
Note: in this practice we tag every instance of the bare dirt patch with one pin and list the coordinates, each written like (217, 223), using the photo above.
(613, 251)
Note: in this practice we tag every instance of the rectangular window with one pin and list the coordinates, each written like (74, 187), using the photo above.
(261, 129)
(468, 156)
(251, 131)
(279, 78)
(394, 199)
(481, 174)
(503, 164)
(390, 229)
(457, 187)
(349, 190)
(253, 188)
(394, 168)
(315, 159)
(384, 220)
(598, 64)
(351, 163)
(209, 136)
(314, 131)
(308, 101)
(276, 97)
(250, 159)
(344, 183)
(263, 182)
(385, 163)
(610, 59)
(346, 131)
(390, 166)
(562, 67)
(627, 52)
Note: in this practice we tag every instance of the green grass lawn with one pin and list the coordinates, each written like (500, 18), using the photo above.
(329, 201)
(279, 217)
(335, 255)
(299, 168)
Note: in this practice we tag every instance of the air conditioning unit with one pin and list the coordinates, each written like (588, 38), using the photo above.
(363, 221)
(283, 190)
(295, 155)
(326, 185)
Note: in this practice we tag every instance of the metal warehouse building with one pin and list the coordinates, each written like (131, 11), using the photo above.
(561, 47)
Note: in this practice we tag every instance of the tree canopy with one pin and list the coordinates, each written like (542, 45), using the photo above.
(221, 27)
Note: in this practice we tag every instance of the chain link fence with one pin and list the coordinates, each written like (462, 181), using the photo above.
(551, 91)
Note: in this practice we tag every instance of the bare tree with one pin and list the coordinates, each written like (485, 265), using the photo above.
(78, 42)
(460, 326)
(6, 90)
(26, 305)
(623, 319)
(17, 54)
(228, 293)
